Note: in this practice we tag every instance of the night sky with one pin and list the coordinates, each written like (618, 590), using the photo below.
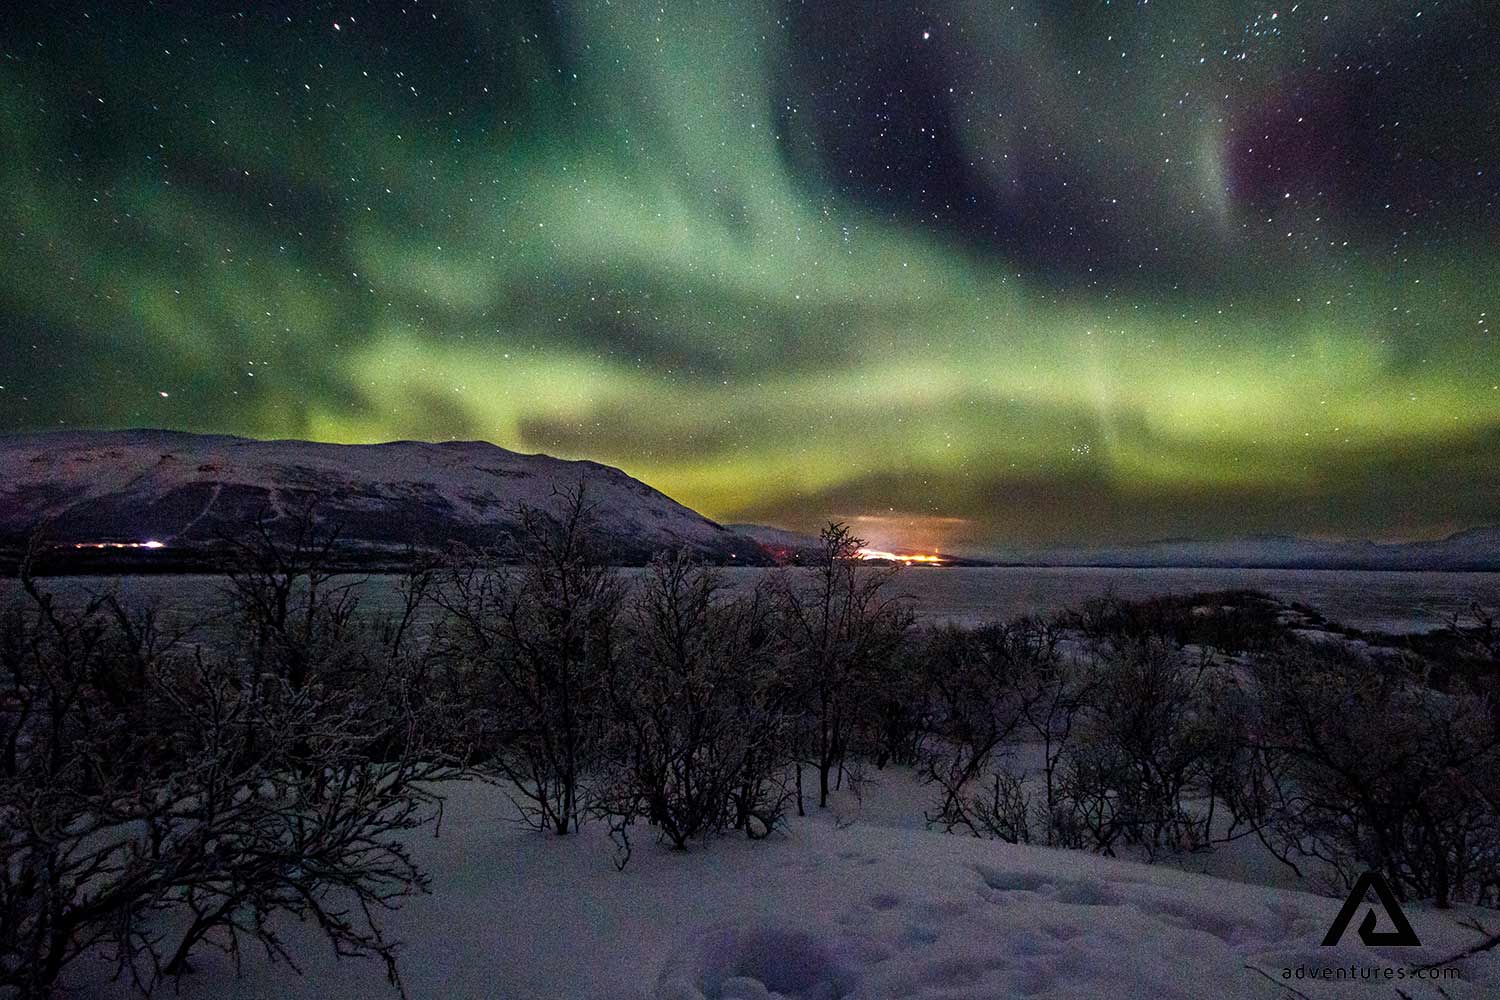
(974, 274)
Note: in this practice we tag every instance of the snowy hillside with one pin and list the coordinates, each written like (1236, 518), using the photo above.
(188, 490)
(858, 902)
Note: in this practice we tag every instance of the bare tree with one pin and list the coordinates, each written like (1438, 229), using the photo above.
(844, 632)
(281, 590)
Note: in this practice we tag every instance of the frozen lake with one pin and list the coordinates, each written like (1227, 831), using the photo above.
(1390, 601)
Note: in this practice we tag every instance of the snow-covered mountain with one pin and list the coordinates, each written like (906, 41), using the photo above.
(189, 491)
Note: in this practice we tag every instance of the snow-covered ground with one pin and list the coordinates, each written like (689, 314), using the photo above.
(857, 901)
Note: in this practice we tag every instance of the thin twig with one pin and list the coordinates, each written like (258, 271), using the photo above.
(1279, 984)
(1490, 942)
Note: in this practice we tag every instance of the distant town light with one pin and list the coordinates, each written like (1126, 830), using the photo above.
(148, 544)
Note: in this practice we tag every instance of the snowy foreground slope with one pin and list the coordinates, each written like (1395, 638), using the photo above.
(872, 907)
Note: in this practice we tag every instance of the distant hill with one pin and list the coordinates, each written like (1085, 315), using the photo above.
(781, 545)
(786, 546)
(189, 491)
(1475, 549)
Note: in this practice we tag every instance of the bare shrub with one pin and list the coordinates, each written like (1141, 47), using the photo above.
(1478, 630)
(1142, 742)
(1228, 621)
(898, 717)
(156, 799)
(259, 834)
(982, 689)
(697, 738)
(74, 696)
(1148, 766)
(1060, 692)
(1363, 765)
(536, 642)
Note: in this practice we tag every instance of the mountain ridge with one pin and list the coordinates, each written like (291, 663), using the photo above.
(113, 491)
(118, 489)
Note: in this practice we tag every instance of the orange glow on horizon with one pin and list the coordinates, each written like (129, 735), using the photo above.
(908, 559)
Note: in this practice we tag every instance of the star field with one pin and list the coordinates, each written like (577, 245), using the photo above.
(977, 275)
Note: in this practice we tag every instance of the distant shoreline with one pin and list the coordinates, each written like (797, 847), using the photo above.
(10, 567)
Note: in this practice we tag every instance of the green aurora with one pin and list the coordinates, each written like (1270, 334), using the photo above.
(976, 275)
